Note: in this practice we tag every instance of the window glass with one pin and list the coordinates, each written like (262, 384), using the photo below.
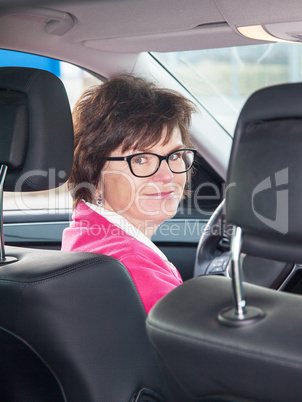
(75, 81)
(222, 79)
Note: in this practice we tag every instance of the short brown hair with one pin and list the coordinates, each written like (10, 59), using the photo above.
(125, 111)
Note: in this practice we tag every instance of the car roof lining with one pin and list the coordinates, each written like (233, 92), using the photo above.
(127, 27)
(106, 29)
(158, 20)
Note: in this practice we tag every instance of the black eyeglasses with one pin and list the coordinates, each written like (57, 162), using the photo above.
(147, 164)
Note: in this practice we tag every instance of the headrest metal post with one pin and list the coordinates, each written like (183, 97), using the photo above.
(239, 314)
(3, 171)
(3, 258)
(236, 273)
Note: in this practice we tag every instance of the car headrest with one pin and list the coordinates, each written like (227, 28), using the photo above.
(264, 181)
(36, 131)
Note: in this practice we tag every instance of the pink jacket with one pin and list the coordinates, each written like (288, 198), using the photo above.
(152, 276)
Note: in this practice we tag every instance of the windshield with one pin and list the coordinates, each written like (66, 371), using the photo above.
(222, 79)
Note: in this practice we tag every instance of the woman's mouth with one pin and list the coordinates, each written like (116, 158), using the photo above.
(165, 195)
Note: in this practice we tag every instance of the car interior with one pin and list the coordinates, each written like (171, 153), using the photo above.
(72, 325)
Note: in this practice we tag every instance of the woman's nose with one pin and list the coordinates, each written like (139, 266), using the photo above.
(164, 173)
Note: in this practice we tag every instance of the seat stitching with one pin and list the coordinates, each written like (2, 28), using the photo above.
(63, 271)
(295, 363)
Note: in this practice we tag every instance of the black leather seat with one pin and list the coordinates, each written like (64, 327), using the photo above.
(212, 349)
(72, 325)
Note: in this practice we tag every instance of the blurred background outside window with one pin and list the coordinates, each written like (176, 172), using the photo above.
(222, 79)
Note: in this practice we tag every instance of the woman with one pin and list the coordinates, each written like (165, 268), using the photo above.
(130, 167)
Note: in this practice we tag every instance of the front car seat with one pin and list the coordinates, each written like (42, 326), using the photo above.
(218, 349)
(72, 325)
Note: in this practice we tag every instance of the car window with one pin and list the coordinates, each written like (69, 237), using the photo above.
(222, 79)
(75, 81)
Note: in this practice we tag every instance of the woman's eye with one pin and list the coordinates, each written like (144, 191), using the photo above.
(139, 160)
(175, 156)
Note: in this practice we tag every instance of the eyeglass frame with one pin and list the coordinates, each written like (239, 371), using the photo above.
(160, 158)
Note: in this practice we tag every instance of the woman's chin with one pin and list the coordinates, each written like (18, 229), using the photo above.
(160, 211)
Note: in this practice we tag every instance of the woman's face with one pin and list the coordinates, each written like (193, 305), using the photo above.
(145, 202)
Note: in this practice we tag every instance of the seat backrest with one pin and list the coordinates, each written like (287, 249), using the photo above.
(255, 353)
(72, 325)
(82, 315)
